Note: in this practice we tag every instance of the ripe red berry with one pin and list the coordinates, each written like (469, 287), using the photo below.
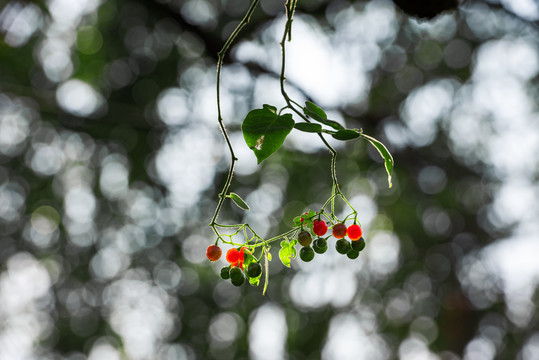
(232, 256)
(320, 227)
(235, 257)
(339, 230)
(301, 219)
(213, 252)
(354, 232)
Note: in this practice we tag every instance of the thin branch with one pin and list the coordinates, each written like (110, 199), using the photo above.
(233, 157)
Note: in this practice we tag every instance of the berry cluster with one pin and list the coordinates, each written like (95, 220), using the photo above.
(243, 265)
(241, 261)
(339, 231)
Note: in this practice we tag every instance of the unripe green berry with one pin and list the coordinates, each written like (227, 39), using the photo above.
(342, 246)
(305, 238)
(236, 273)
(358, 245)
(225, 273)
(352, 254)
(254, 270)
(306, 253)
(238, 281)
(320, 246)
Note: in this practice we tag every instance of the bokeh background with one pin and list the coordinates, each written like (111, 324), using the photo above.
(111, 161)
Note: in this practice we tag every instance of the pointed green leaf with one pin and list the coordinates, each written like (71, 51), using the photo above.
(264, 130)
(308, 127)
(346, 134)
(316, 113)
(238, 201)
(386, 155)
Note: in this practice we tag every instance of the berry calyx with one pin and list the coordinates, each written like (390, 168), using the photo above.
(254, 270)
(358, 245)
(339, 230)
(225, 273)
(342, 246)
(213, 252)
(305, 238)
(320, 227)
(354, 232)
(306, 253)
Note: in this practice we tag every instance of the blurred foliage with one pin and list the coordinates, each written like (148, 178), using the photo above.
(111, 161)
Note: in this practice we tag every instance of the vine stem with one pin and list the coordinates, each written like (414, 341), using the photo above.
(290, 9)
(220, 57)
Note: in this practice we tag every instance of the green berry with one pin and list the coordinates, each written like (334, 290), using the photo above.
(320, 245)
(352, 254)
(358, 245)
(305, 238)
(238, 281)
(306, 253)
(342, 246)
(320, 250)
(225, 273)
(236, 273)
(254, 270)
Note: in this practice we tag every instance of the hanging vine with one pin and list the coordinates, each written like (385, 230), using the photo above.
(264, 131)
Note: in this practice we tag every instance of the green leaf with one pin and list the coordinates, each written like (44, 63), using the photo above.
(238, 201)
(287, 252)
(346, 134)
(264, 130)
(255, 281)
(316, 113)
(308, 127)
(388, 159)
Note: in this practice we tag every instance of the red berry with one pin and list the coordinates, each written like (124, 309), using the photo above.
(354, 232)
(301, 219)
(339, 230)
(240, 258)
(232, 256)
(320, 227)
(235, 257)
(213, 252)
